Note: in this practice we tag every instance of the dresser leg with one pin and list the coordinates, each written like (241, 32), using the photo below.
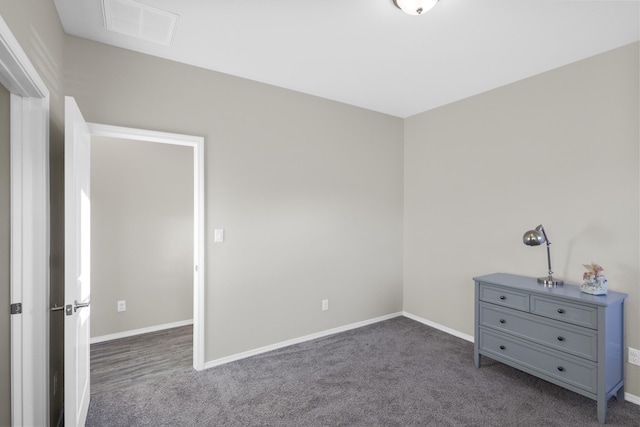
(602, 410)
(620, 394)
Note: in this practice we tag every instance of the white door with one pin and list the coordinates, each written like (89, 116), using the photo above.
(77, 265)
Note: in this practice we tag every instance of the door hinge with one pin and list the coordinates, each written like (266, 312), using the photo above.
(16, 308)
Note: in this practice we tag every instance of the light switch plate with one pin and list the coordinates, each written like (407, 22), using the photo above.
(218, 235)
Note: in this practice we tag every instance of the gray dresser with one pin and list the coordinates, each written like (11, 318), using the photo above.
(564, 336)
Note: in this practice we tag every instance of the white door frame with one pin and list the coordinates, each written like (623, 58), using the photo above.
(29, 232)
(197, 143)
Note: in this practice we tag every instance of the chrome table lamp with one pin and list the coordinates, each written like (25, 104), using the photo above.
(536, 238)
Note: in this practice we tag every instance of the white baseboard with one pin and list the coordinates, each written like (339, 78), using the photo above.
(627, 396)
(299, 340)
(632, 398)
(140, 331)
(438, 326)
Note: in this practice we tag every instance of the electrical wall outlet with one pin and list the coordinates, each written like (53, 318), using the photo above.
(122, 305)
(634, 356)
(325, 304)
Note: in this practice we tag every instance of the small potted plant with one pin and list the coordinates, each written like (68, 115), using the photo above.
(594, 282)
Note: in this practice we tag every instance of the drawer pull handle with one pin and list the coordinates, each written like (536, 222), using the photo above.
(502, 347)
(560, 368)
(502, 297)
(560, 338)
(561, 311)
(502, 321)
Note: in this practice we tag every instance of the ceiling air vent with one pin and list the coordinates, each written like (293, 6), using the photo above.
(134, 19)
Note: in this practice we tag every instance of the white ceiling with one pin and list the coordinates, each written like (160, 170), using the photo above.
(370, 54)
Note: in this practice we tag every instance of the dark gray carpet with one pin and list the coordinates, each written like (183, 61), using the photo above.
(394, 373)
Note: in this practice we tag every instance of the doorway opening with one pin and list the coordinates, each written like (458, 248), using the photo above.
(142, 236)
(194, 147)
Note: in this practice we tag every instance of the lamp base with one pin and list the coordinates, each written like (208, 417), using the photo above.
(550, 282)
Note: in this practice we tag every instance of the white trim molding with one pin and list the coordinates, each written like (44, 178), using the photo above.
(30, 258)
(627, 396)
(134, 332)
(17, 73)
(197, 143)
(239, 356)
(29, 232)
(438, 326)
(631, 398)
(299, 340)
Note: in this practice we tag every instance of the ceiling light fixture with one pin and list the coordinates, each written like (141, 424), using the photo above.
(415, 7)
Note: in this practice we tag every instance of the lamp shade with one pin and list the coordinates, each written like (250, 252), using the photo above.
(415, 7)
(533, 238)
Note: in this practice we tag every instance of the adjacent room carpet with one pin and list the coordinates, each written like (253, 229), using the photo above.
(394, 373)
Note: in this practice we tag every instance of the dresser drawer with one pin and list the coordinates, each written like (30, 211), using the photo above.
(576, 340)
(504, 297)
(577, 314)
(570, 370)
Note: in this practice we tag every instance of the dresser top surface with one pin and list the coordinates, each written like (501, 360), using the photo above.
(568, 291)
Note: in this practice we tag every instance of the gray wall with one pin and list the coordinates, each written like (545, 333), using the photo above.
(309, 192)
(558, 149)
(36, 26)
(141, 234)
(5, 260)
